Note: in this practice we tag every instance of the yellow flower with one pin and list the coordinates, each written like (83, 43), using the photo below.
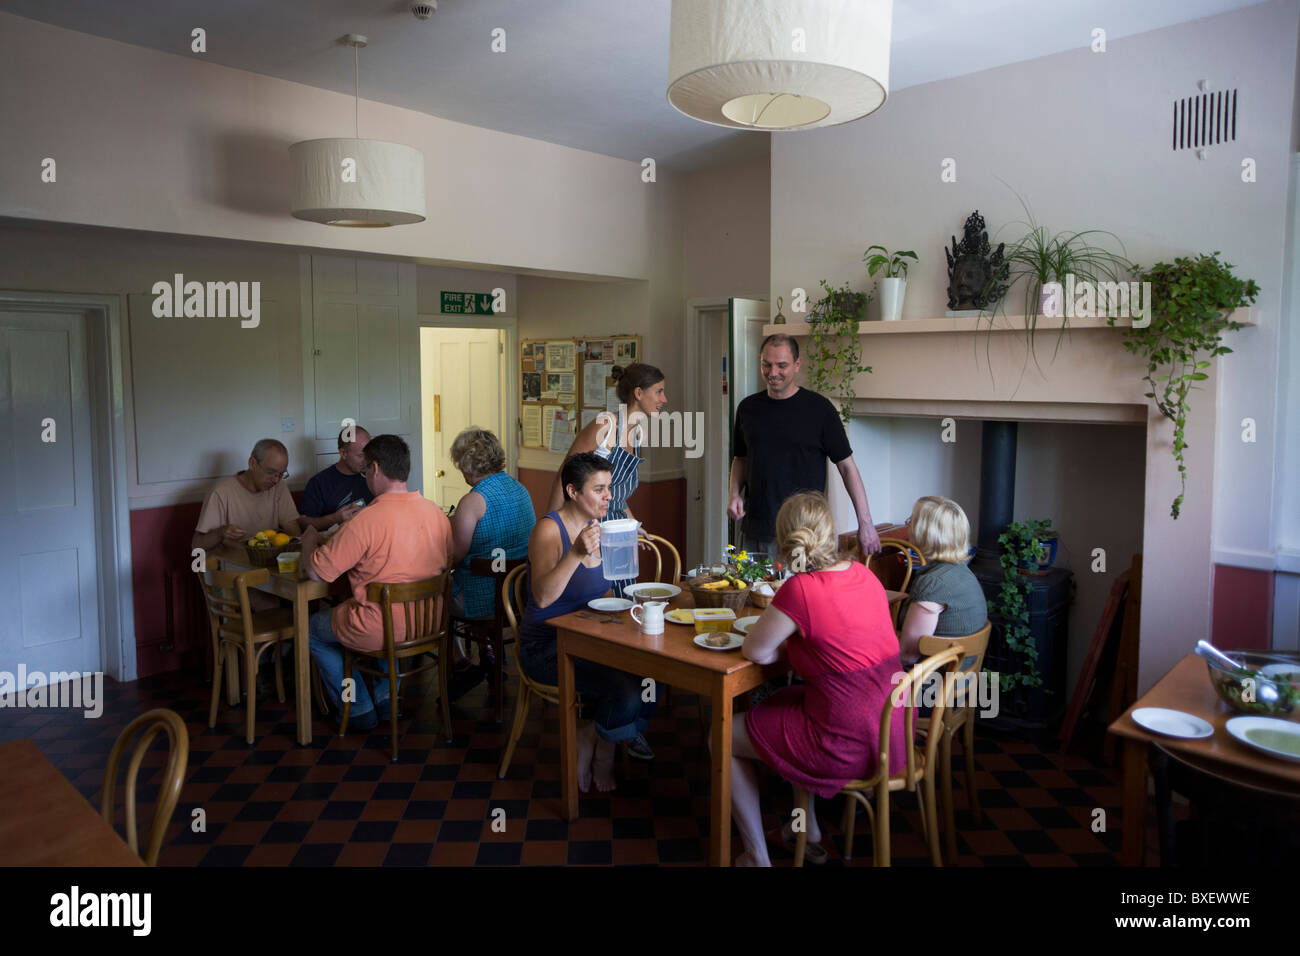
(744, 556)
(730, 548)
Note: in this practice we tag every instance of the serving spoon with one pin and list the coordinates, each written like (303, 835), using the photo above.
(1265, 692)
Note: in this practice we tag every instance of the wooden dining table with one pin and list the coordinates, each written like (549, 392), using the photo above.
(1187, 688)
(671, 659)
(44, 819)
(297, 587)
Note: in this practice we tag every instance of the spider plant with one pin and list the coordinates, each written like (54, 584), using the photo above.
(1041, 257)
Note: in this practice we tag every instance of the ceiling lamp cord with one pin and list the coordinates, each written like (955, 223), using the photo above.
(356, 90)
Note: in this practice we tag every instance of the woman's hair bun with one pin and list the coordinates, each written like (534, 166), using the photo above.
(616, 372)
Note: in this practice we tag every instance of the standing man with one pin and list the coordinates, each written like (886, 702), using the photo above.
(782, 439)
(334, 495)
(256, 499)
(400, 537)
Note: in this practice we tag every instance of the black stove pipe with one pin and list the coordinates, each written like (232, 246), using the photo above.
(997, 486)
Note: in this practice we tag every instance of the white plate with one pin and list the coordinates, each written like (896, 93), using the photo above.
(1171, 723)
(634, 591)
(736, 641)
(612, 605)
(688, 616)
(1241, 727)
(745, 623)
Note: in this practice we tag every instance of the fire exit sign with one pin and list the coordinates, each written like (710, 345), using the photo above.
(467, 303)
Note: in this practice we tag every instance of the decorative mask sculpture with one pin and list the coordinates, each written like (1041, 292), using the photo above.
(977, 278)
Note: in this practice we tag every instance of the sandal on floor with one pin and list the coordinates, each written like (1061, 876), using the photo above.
(814, 854)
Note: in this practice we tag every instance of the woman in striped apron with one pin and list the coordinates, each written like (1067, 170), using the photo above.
(618, 439)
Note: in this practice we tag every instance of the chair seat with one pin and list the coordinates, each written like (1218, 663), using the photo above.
(897, 781)
(275, 624)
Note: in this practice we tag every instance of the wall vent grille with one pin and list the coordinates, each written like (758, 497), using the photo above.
(1206, 119)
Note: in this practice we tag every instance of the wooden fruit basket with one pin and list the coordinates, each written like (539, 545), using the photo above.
(731, 597)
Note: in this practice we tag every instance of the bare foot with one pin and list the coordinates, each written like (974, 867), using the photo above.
(747, 859)
(602, 765)
(586, 748)
(814, 831)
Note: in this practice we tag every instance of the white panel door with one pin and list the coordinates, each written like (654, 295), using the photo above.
(460, 384)
(48, 566)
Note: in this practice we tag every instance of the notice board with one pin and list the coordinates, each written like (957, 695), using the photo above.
(565, 383)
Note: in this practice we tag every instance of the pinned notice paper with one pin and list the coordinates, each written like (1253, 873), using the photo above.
(562, 432)
(532, 425)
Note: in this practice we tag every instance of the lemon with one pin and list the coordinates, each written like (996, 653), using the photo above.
(269, 533)
(280, 539)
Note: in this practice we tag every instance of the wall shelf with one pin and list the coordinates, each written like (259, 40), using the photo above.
(979, 323)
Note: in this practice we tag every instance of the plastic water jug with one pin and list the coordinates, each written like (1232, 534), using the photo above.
(618, 548)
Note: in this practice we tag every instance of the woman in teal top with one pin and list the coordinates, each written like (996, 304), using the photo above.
(497, 513)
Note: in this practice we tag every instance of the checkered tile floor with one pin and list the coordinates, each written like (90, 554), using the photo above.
(341, 801)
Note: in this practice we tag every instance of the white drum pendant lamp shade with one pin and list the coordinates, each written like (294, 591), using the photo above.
(387, 187)
(779, 64)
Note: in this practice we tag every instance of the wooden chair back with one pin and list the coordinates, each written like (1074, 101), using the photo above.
(148, 725)
(907, 694)
(657, 542)
(513, 596)
(487, 567)
(226, 593)
(972, 647)
(895, 563)
(425, 607)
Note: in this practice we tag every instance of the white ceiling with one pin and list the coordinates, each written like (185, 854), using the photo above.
(590, 74)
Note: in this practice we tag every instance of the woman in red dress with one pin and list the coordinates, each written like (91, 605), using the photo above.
(833, 622)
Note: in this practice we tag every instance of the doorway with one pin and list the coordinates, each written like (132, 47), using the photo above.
(722, 336)
(460, 385)
(63, 507)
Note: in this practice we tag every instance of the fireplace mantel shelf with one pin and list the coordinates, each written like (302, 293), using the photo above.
(978, 323)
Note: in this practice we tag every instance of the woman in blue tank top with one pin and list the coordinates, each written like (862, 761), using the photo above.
(564, 574)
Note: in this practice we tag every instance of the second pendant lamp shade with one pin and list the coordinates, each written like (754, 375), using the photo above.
(779, 64)
(382, 185)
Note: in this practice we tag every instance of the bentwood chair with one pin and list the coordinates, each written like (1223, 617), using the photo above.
(426, 611)
(512, 596)
(237, 629)
(965, 673)
(894, 566)
(149, 725)
(490, 631)
(920, 768)
(653, 542)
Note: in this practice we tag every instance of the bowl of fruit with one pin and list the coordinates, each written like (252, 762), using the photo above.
(264, 547)
(734, 584)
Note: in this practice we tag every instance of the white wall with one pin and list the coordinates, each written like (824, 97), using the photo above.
(154, 141)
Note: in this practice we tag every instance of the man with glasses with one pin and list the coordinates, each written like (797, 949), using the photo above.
(256, 499)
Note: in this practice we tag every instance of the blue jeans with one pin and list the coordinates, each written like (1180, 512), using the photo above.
(327, 652)
(620, 712)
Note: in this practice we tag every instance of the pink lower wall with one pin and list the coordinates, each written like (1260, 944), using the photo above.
(1242, 608)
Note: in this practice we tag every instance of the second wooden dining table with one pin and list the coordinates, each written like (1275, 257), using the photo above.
(671, 659)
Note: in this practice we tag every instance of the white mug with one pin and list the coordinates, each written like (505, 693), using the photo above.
(654, 616)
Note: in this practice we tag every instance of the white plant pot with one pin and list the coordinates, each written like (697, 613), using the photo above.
(891, 299)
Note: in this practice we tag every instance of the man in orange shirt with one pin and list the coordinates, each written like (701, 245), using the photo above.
(399, 537)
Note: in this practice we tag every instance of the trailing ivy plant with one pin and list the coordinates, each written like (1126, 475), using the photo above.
(835, 359)
(1022, 547)
(1189, 304)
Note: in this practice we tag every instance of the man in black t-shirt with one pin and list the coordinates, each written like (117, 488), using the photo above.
(782, 439)
(334, 495)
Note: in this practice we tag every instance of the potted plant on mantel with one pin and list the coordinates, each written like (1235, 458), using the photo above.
(1191, 303)
(1040, 258)
(893, 284)
(835, 358)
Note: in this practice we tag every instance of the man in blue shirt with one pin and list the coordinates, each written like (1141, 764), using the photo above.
(334, 495)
